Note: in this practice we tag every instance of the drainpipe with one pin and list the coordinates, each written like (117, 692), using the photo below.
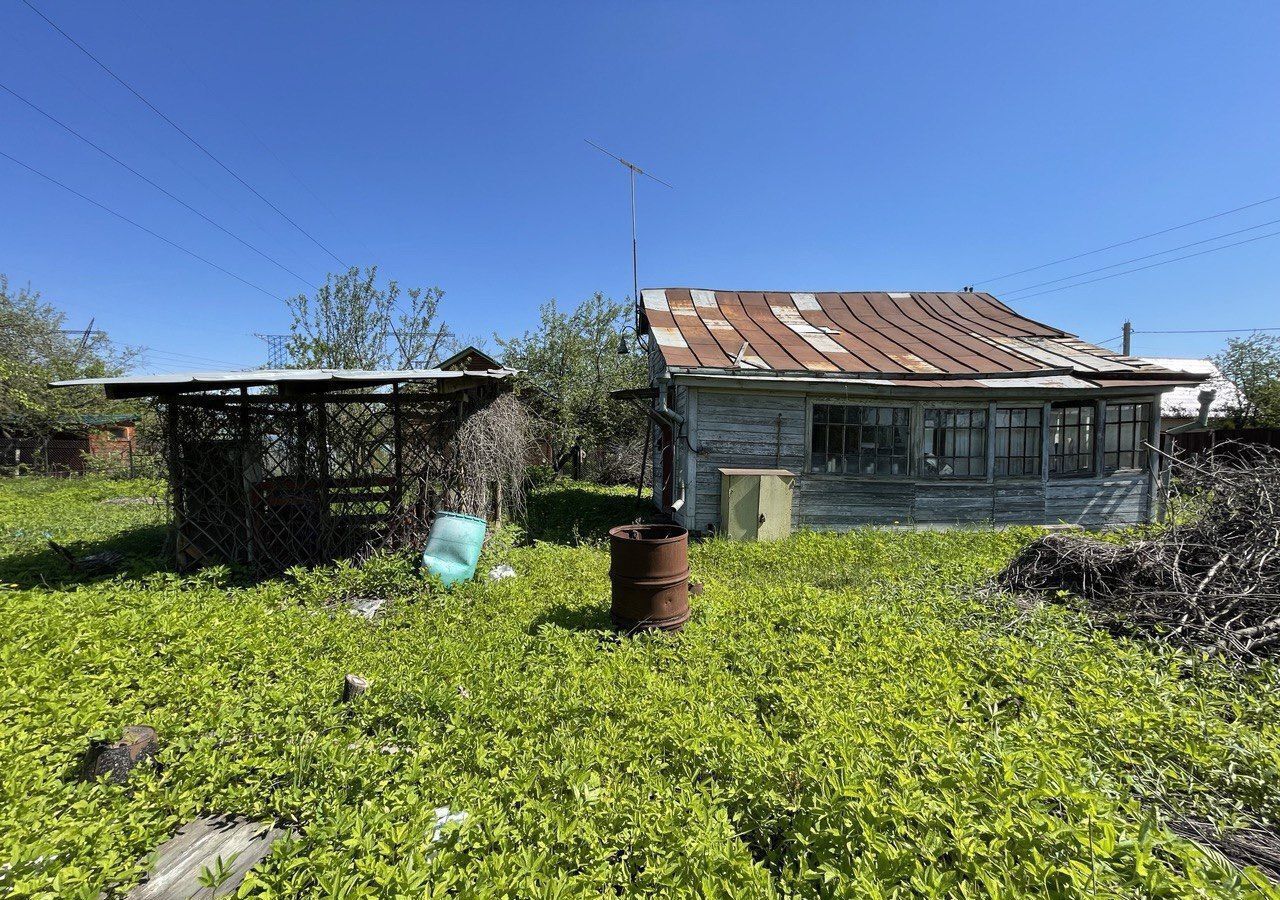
(674, 420)
(1202, 420)
(662, 409)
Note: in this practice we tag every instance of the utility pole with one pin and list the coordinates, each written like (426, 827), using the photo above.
(1127, 342)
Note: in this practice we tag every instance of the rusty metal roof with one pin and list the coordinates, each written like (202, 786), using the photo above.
(948, 338)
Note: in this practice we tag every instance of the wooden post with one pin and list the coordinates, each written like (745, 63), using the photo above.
(323, 472)
(991, 444)
(1156, 499)
(175, 477)
(398, 447)
(644, 456)
(246, 493)
(353, 686)
(1046, 440)
(1099, 438)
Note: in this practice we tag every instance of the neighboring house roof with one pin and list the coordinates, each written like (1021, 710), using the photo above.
(1184, 402)
(193, 382)
(944, 339)
(470, 357)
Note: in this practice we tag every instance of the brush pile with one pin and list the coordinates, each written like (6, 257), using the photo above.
(1210, 583)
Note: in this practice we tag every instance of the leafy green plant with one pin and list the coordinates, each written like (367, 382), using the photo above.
(843, 716)
(215, 876)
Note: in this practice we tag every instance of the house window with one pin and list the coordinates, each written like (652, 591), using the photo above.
(1018, 436)
(1071, 439)
(1127, 428)
(860, 440)
(955, 443)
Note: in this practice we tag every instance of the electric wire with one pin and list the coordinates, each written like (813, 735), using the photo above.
(1125, 262)
(1207, 330)
(162, 190)
(1126, 243)
(140, 226)
(1150, 266)
(182, 132)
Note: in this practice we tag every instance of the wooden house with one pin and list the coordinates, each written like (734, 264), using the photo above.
(907, 409)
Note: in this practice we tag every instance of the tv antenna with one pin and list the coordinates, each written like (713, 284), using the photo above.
(633, 170)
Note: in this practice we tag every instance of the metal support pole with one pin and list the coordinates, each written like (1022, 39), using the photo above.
(635, 264)
(1127, 341)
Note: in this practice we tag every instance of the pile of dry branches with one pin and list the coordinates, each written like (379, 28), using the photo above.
(490, 456)
(1210, 583)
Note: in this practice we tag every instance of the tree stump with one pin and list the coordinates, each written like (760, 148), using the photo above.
(353, 686)
(117, 759)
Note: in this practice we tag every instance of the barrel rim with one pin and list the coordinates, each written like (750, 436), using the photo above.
(680, 533)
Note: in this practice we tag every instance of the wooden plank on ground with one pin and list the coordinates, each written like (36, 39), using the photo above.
(175, 873)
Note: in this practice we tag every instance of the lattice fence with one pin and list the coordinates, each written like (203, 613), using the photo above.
(270, 481)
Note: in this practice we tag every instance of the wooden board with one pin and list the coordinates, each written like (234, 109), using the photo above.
(175, 873)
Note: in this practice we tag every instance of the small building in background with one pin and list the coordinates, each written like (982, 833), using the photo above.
(1181, 405)
(913, 409)
(107, 438)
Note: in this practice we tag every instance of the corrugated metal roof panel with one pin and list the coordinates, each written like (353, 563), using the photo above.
(949, 334)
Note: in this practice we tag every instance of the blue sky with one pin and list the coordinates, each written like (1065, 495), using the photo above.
(854, 146)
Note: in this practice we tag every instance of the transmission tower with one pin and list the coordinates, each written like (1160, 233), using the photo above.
(278, 356)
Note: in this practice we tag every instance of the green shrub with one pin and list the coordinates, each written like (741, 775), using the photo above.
(841, 717)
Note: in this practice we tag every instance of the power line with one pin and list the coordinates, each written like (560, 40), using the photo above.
(1124, 243)
(141, 227)
(186, 358)
(229, 108)
(1208, 330)
(182, 132)
(1125, 262)
(162, 190)
(1150, 266)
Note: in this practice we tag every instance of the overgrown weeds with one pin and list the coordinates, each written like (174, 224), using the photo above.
(842, 717)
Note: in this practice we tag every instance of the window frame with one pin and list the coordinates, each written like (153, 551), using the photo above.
(911, 428)
(922, 449)
(1145, 420)
(1092, 431)
(1024, 406)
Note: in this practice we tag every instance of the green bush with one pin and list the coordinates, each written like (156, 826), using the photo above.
(841, 717)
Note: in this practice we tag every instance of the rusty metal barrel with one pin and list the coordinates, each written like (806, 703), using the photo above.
(649, 570)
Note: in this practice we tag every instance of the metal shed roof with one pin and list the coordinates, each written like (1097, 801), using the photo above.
(947, 338)
(195, 382)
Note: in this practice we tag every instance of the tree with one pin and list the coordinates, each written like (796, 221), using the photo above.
(37, 347)
(1252, 364)
(572, 360)
(351, 323)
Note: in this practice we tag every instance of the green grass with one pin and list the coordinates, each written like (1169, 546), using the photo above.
(842, 717)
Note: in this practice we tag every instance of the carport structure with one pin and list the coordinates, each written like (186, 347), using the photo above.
(281, 467)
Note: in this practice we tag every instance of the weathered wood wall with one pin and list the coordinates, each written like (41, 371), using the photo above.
(768, 430)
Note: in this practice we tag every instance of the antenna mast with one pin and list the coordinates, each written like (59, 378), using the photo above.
(632, 171)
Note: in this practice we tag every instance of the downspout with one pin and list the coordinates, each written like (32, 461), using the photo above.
(674, 420)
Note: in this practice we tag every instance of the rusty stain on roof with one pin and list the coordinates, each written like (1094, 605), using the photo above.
(962, 337)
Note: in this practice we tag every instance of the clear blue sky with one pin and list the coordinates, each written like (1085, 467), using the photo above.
(848, 146)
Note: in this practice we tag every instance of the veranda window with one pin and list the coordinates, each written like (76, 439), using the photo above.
(1128, 427)
(860, 440)
(1071, 436)
(955, 443)
(1018, 437)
